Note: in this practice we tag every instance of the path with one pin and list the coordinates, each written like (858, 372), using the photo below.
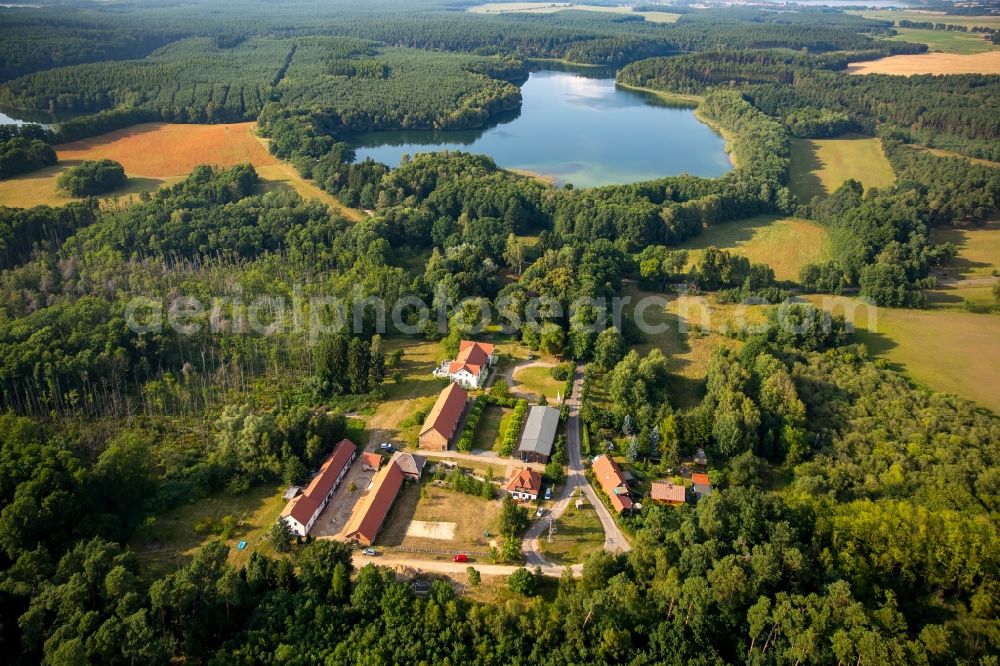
(614, 540)
(447, 567)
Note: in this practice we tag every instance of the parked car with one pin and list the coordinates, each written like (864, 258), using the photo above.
(370, 552)
(461, 557)
(548, 493)
(385, 446)
(540, 512)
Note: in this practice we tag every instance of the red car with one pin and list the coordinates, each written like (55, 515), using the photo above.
(461, 557)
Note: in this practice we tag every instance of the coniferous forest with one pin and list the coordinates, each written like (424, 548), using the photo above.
(854, 516)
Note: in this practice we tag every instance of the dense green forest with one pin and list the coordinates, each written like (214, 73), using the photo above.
(854, 515)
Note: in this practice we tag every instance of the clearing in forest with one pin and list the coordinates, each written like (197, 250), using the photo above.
(786, 244)
(552, 7)
(931, 63)
(945, 41)
(820, 166)
(159, 154)
(945, 350)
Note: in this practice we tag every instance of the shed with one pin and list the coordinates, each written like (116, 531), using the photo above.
(539, 434)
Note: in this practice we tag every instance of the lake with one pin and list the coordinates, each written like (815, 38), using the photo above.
(579, 128)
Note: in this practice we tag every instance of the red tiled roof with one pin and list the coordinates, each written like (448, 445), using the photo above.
(322, 483)
(472, 356)
(446, 412)
(372, 460)
(667, 492)
(700, 479)
(524, 480)
(611, 478)
(368, 517)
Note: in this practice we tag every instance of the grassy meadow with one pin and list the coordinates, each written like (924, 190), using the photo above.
(944, 350)
(820, 166)
(172, 539)
(964, 43)
(786, 244)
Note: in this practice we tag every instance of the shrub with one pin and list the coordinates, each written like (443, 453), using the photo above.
(92, 177)
(521, 582)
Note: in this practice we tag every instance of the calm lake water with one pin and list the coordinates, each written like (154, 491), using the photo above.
(578, 129)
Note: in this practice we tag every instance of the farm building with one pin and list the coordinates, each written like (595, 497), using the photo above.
(524, 484)
(668, 493)
(441, 423)
(609, 474)
(301, 512)
(472, 365)
(539, 434)
(412, 465)
(368, 516)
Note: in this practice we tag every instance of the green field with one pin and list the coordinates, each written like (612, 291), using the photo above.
(963, 43)
(820, 166)
(784, 244)
(934, 17)
(578, 534)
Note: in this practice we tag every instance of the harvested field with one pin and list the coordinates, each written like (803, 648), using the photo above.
(931, 63)
(156, 150)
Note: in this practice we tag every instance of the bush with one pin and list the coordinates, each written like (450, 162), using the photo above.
(522, 582)
(92, 177)
(563, 371)
(470, 485)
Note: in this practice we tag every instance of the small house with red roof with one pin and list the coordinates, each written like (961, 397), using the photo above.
(301, 512)
(668, 493)
(702, 484)
(524, 484)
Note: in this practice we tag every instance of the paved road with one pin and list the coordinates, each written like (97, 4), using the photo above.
(614, 540)
(446, 567)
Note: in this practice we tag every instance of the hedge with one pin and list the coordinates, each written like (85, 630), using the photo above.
(514, 428)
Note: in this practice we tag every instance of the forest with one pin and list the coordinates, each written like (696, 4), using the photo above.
(854, 513)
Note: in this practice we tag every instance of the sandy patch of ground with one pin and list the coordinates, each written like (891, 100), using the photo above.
(431, 530)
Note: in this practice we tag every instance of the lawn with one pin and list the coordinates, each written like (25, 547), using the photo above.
(945, 350)
(785, 244)
(432, 503)
(172, 539)
(487, 436)
(416, 390)
(820, 166)
(538, 380)
(578, 534)
(987, 62)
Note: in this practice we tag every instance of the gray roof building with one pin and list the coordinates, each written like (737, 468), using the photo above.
(539, 434)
